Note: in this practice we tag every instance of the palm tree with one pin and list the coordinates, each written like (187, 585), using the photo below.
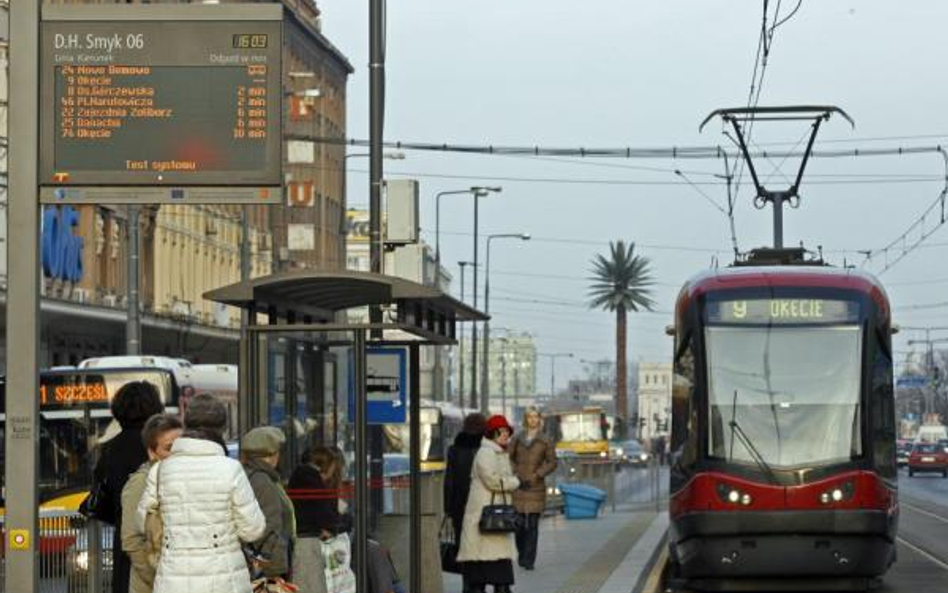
(620, 283)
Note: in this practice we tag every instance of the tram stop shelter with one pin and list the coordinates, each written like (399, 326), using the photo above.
(312, 363)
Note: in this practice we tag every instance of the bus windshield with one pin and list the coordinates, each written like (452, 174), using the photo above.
(788, 396)
(75, 419)
(581, 427)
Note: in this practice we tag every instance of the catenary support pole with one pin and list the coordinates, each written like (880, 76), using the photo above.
(21, 572)
(483, 408)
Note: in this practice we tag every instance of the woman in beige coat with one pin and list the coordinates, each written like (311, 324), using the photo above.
(533, 457)
(486, 558)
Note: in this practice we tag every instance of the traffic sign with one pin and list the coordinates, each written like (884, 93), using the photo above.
(185, 100)
(910, 381)
(386, 386)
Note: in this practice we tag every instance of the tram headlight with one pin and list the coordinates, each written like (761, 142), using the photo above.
(838, 493)
(733, 495)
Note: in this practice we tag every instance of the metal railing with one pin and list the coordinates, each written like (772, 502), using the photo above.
(75, 554)
(637, 485)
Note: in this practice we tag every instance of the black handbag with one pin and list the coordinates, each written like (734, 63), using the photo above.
(98, 504)
(449, 547)
(499, 518)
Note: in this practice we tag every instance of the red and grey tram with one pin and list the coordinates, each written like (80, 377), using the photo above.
(783, 435)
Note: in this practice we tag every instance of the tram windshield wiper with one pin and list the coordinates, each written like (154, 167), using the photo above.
(745, 440)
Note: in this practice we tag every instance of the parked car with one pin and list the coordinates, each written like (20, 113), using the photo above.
(928, 457)
(630, 453)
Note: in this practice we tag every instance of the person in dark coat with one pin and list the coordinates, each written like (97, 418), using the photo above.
(314, 490)
(457, 476)
(133, 404)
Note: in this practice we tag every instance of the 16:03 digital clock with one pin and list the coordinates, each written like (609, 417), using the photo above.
(250, 41)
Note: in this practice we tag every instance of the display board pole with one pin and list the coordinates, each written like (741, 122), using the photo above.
(414, 464)
(133, 325)
(21, 572)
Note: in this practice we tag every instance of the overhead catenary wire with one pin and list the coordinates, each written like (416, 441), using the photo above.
(699, 152)
(575, 241)
(907, 246)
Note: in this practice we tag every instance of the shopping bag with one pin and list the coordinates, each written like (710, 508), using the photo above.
(449, 547)
(337, 559)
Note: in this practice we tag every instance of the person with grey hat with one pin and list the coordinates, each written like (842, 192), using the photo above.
(260, 455)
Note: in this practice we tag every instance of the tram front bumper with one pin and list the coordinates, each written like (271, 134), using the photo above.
(783, 544)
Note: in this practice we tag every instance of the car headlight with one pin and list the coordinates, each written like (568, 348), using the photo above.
(643, 457)
(556, 490)
(603, 454)
(618, 451)
(82, 560)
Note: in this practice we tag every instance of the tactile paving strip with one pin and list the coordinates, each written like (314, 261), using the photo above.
(595, 572)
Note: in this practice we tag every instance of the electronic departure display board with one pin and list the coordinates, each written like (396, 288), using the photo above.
(185, 100)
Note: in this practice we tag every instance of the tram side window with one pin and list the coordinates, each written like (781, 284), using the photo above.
(684, 412)
(883, 412)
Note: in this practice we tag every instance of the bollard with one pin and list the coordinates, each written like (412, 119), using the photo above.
(612, 483)
(656, 474)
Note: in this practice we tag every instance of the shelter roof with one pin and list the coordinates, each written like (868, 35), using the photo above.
(321, 294)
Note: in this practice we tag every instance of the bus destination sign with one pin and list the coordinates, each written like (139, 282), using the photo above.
(170, 99)
(782, 311)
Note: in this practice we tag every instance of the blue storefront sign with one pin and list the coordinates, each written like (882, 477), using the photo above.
(386, 386)
(61, 248)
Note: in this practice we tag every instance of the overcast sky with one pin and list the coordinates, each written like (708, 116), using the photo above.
(623, 73)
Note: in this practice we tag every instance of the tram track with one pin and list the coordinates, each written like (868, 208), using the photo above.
(908, 538)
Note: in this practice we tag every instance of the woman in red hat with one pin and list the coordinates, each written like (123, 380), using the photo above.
(487, 558)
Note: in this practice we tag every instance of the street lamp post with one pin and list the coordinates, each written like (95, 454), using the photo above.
(397, 156)
(438, 221)
(553, 356)
(462, 265)
(477, 192)
(485, 373)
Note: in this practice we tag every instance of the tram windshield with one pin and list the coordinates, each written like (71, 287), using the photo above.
(792, 391)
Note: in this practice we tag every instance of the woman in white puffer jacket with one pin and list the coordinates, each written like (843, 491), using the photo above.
(208, 508)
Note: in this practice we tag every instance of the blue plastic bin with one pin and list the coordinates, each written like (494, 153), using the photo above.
(582, 501)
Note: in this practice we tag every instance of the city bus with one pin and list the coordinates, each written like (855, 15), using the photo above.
(219, 380)
(74, 421)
